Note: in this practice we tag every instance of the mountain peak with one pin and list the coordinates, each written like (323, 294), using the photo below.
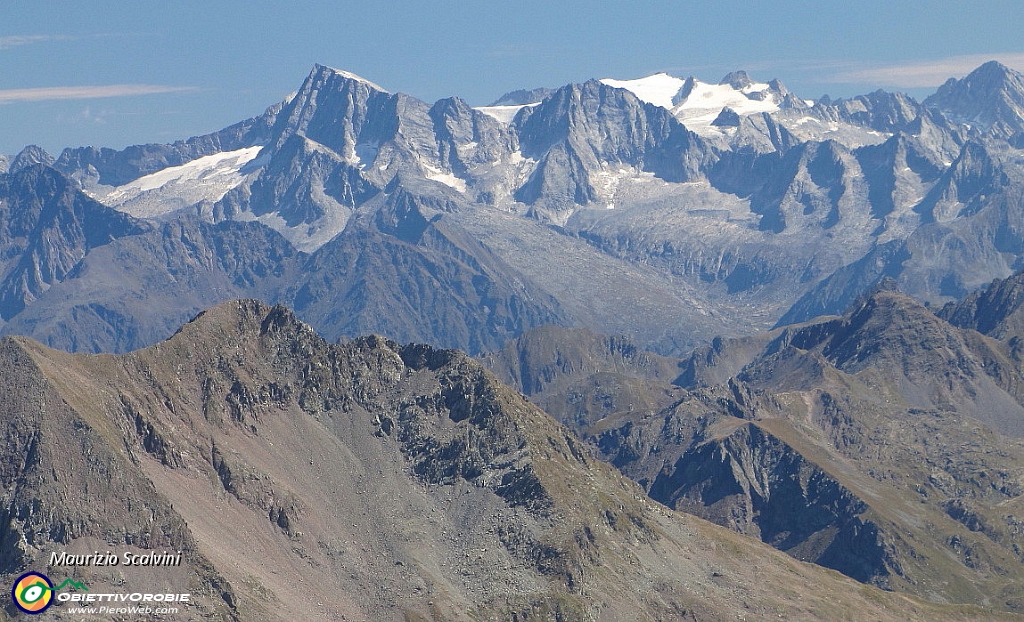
(738, 80)
(990, 98)
(523, 97)
(988, 79)
(991, 69)
(234, 322)
(332, 108)
(323, 71)
(30, 156)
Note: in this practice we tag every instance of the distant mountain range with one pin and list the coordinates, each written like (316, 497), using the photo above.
(668, 210)
(798, 319)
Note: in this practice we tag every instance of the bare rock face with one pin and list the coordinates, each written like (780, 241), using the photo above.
(755, 483)
(586, 206)
(393, 482)
(989, 99)
(881, 444)
(48, 227)
(580, 128)
(29, 156)
(994, 311)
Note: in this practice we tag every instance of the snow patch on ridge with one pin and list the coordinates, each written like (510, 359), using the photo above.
(504, 114)
(703, 103)
(659, 89)
(447, 179)
(351, 76)
(706, 101)
(207, 178)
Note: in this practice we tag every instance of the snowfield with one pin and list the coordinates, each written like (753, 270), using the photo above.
(503, 114)
(659, 89)
(207, 178)
(703, 103)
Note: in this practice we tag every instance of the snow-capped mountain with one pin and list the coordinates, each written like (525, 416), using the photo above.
(674, 212)
(698, 104)
(705, 208)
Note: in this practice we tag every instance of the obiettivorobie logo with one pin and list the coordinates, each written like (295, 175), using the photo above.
(33, 592)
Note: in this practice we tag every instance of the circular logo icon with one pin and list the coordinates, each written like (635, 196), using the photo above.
(32, 592)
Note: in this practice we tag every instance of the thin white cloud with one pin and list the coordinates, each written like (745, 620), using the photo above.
(11, 96)
(923, 74)
(13, 41)
(87, 116)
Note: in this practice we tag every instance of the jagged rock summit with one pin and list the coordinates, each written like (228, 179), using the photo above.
(662, 208)
(990, 98)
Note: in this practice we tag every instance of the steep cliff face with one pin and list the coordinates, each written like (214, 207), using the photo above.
(994, 311)
(751, 481)
(581, 130)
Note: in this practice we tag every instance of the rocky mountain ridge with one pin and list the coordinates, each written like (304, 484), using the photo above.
(882, 443)
(864, 432)
(393, 482)
(590, 207)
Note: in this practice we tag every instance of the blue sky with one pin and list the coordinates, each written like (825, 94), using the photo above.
(111, 74)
